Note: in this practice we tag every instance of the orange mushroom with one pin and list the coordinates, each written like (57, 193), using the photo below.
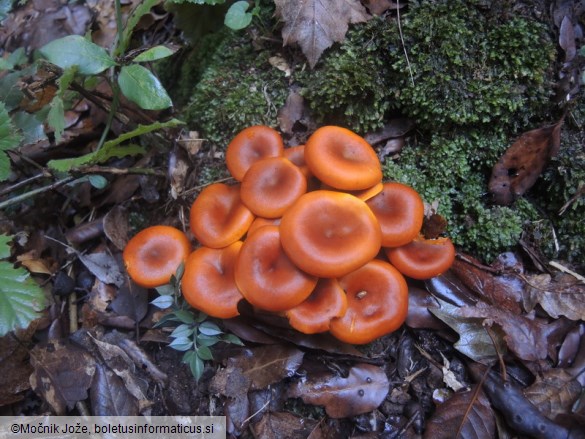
(377, 299)
(265, 275)
(423, 258)
(153, 255)
(400, 211)
(328, 300)
(271, 186)
(329, 234)
(208, 282)
(261, 222)
(362, 194)
(342, 159)
(251, 145)
(296, 154)
(218, 217)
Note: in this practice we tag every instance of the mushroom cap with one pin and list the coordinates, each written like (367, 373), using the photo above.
(423, 258)
(265, 275)
(271, 186)
(208, 282)
(328, 300)
(296, 154)
(377, 299)
(153, 255)
(218, 217)
(342, 159)
(329, 234)
(250, 145)
(261, 222)
(362, 194)
(400, 212)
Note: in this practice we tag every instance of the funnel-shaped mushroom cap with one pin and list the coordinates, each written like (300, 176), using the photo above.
(423, 258)
(329, 234)
(271, 186)
(153, 255)
(342, 159)
(251, 145)
(218, 217)
(208, 283)
(296, 154)
(377, 303)
(400, 211)
(328, 300)
(266, 276)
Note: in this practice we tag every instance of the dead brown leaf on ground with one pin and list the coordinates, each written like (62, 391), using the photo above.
(523, 162)
(562, 296)
(466, 414)
(363, 390)
(315, 25)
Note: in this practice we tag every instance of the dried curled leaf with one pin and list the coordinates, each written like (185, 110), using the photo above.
(523, 162)
(362, 391)
(463, 416)
(316, 25)
(558, 298)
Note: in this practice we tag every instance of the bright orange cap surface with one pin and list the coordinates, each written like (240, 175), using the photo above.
(218, 217)
(250, 145)
(153, 255)
(377, 298)
(271, 186)
(342, 159)
(329, 234)
(328, 300)
(266, 276)
(423, 258)
(208, 282)
(400, 211)
(296, 154)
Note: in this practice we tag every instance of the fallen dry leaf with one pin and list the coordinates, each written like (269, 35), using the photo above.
(523, 162)
(524, 336)
(15, 369)
(554, 393)
(562, 297)
(362, 391)
(378, 7)
(567, 39)
(463, 416)
(109, 396)
(62, 374)
(283, 425)
(316, 25)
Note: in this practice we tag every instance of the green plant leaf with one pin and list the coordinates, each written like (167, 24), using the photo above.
(9, 139)
(5, 8)
(98, 181)
(209, 328)
(74, 50)
(112, 148)
(231, 338)
(140, 85)
(163, 302)
(5, 241)
(16, 58)
(236, 17)
(204, 353)
(154, 53)
(21, 298)
(183, 330)
(56, 117)
(184, 316)
(197, 367)
(181, 344)
(30, 125)
(141, 10)
(207, 340)
(66, 165)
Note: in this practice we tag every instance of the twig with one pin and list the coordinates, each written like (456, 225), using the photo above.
(23, 183)
(402, 41)
(34, 192)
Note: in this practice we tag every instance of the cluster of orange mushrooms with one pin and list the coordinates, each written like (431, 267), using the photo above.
(309, 232)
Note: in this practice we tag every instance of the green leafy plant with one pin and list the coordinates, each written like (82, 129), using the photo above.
(237, 16)
(193, 333)
(21, 298)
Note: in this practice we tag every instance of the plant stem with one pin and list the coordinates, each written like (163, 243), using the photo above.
(34, 192)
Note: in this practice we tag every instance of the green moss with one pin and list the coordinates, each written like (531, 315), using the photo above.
(468, 68)
(239, 88)
(351, 87)
(452, 171)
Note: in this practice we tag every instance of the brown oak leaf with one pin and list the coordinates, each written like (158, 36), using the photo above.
(523, 162)
(316, 24)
